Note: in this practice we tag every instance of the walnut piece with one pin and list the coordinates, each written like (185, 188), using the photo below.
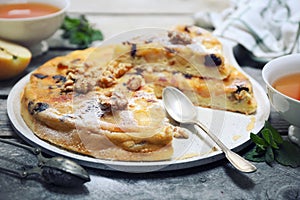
(118, 69)
(106, 80)
(71, 76)
(179, 38)
(118, 101)
(68, 86)
(134, 83)
(83, 86)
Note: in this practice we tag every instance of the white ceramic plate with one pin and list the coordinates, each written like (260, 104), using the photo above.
(232, 128)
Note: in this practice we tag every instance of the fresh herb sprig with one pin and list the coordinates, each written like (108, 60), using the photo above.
(79, 31)
(270, 147)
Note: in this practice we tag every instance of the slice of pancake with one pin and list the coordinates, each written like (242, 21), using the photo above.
(186, 49)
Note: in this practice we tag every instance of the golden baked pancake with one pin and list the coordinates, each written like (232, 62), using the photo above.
(104, 102)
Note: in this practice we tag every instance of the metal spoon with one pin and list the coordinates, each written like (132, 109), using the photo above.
(56, 170)
(181, 109)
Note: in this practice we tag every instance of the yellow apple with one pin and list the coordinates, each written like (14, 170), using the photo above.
(13, 59)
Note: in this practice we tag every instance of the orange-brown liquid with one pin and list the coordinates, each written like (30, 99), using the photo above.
(289, 85)
(26, 10)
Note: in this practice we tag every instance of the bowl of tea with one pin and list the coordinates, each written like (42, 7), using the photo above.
(282, 78)
(30, 22)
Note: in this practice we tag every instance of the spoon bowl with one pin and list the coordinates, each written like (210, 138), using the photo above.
(64, 172)
(181, 109)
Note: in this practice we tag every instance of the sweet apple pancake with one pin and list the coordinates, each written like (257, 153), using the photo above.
(104, 102)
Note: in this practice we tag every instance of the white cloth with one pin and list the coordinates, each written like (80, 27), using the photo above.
(267, 28)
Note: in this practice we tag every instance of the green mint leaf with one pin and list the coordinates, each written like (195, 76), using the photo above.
(255, 155)
(288, 154)
(269, 156)
(258, 141)
(272, 147)
(70, 23)
(276, 136)
(83, 19)
(267, 135)
(79, 32)
(80, 39)
(96, 35)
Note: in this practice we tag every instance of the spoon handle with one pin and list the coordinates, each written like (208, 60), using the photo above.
(237, 161)
(33, 150)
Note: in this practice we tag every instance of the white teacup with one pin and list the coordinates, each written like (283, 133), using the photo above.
(286, 106)
(30, 32)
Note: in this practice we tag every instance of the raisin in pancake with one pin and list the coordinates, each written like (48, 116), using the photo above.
(104, 102)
